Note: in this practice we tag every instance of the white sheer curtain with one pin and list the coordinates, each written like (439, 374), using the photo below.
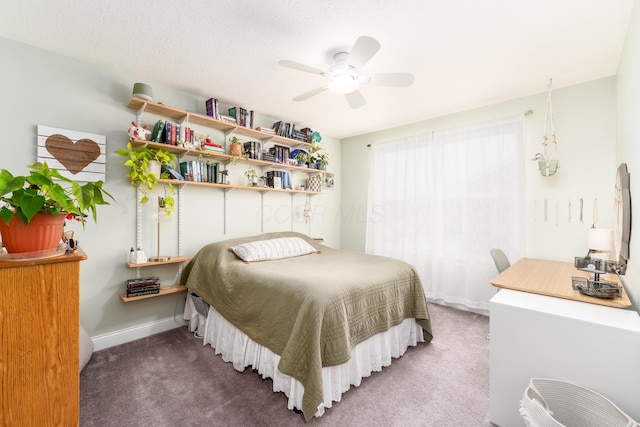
(441, 201)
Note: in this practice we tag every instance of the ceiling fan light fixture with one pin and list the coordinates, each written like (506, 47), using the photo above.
(343, 84)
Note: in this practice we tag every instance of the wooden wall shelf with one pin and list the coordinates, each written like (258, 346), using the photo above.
(163, 291)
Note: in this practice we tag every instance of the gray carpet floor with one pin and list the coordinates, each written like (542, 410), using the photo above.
(171, 379)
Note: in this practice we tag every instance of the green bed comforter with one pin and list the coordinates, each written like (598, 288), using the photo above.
(311, 310)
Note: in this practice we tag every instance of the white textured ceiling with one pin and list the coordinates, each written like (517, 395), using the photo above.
(463, 53)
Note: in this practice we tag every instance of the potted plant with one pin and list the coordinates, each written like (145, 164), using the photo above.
(146, 167)
(301, 157)
(322, 161)
(252, 177)
(235, 147)
(317, 158)
(39, 203)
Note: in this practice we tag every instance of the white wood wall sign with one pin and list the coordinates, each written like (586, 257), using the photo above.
(78, 155)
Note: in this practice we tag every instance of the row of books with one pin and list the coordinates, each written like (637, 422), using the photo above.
(280, 153)
(253, 149)
(244, 117)
(288, 130)
(197, 171)
(143, 286)
(167, 132)
(279, 179)
(214, 173)
(212, 108)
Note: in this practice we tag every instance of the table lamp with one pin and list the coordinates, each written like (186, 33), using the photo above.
(599, 244)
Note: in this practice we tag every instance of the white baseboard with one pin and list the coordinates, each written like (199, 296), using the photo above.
(100, 342)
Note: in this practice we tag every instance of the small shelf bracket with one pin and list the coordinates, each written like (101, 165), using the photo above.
(140, 111)
(262, 212)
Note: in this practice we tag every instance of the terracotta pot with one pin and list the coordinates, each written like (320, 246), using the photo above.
(235, 149)
(43, 233)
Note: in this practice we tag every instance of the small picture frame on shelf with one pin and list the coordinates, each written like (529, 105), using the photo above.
(329, 181)
(277, 182)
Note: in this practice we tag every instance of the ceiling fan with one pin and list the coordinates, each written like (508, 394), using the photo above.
(345, 77)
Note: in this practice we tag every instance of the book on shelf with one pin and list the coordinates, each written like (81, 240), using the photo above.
(268, 156)
(280, 153)
(279, 179)
(144, 288)
(211, 106)
(212, 148)
(198, 171)
(253, 149)
(139, 294)
(167, 132)
(288, 130)
(173, 174)
(243, 116)
(143, 281)
(156, 133)
(266, 130)
(227, 119)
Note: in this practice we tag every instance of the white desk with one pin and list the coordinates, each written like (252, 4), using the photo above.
(535, 335)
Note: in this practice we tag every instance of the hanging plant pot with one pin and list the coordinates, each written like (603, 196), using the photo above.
(43, 233)
(548, 167)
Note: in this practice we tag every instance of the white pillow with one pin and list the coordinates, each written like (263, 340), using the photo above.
(263, 250)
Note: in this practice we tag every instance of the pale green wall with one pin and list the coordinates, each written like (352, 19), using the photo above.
(585, 122)
(628, 91)
(38, 87)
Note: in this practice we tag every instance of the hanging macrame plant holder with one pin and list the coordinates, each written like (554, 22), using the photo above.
(548, 158)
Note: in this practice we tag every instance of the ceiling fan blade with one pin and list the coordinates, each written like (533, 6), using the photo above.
(391, 79)
(355, 99)
(362, 51)
(300, 67)
(311, 93)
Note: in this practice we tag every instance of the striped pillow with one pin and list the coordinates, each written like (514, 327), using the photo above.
(264, 250)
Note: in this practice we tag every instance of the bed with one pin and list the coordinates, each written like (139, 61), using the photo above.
(314, 323)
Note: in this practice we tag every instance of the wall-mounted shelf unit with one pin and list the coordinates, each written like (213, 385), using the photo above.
(163, 291)
(184, 117)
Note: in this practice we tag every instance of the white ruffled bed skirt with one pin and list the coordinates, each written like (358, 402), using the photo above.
(367, 357)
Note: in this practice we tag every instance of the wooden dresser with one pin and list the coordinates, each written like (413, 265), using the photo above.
(39, 354)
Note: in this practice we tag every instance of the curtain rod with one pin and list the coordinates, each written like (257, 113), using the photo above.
(526, 113)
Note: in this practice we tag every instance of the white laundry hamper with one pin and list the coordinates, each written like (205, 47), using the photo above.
(555, 403)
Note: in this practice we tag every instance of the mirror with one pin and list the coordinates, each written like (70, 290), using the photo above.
(622, 215)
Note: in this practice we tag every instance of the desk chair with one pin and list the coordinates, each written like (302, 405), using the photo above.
(502, 263)
(500, 259)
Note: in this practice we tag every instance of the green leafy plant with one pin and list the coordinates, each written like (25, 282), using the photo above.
(235, 147)
(301, 157)
(139, 160)
(44, 191)
(316, 154)
(251, 173)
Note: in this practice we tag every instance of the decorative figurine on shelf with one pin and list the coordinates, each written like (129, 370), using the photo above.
(68, 243)
(138, 132)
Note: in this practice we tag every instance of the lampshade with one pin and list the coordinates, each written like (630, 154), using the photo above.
(600, 239)
(142, 91)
